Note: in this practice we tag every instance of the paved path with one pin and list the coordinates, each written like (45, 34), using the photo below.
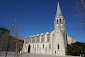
(11, 54)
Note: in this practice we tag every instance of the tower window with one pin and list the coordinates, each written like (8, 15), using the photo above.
(58, 46)
(60, 21)
(57, 21)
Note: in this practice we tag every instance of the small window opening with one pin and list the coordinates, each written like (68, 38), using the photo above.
(58, 46)
(55, 52)
(60, 21)
(43, 45)
(57, 21)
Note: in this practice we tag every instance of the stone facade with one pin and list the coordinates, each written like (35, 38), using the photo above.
(4, 38)
(53, 43)
(12, 44)
(70, 39)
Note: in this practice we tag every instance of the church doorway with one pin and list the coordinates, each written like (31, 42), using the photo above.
(29, 49)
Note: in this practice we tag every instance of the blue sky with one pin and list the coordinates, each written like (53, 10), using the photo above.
(37, 16)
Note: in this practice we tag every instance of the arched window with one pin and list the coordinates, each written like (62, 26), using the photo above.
(48, 37)
(57, 21)
(58, 46)
(33, 40)
(37, 39)
(42, 38)
(43, 45)
(60, 21)
(26, 41)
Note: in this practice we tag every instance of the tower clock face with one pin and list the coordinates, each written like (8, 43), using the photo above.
(83, 2)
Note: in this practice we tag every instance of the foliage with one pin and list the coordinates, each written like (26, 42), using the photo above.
(76, 49)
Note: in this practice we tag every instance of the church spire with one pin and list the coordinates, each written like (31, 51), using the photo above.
(58, 13)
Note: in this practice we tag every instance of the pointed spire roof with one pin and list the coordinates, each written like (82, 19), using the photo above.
(58, 13)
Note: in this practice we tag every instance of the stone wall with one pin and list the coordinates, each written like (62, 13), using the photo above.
(4, 38)
(70, 39)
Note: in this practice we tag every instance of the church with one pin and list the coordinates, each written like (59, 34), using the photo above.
(53, 43)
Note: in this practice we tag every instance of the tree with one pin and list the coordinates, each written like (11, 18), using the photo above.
(76, 49)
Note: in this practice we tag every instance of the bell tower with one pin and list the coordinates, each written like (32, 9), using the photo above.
(60, 32)
(59, 22)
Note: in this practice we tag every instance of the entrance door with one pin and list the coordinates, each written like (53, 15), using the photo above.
(29, 49)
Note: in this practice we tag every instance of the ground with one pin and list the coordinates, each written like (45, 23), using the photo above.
(11, 54)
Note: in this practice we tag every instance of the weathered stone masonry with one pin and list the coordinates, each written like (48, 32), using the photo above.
(53, 43)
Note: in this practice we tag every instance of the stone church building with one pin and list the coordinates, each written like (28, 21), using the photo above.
(53, 43)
